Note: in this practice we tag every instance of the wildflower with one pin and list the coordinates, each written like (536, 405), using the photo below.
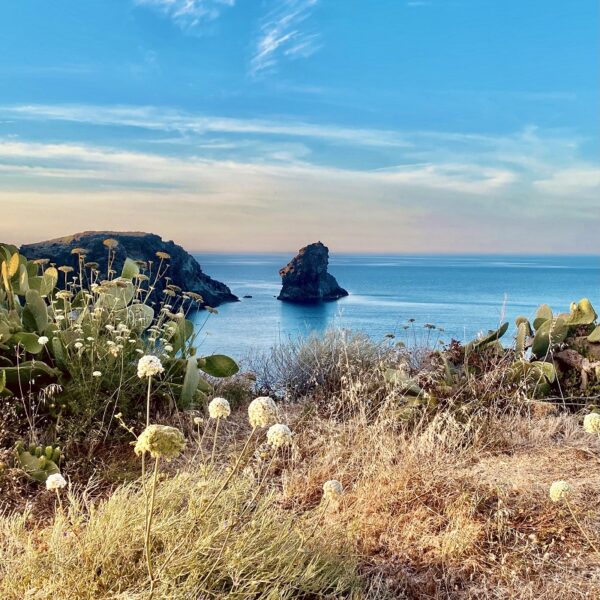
(560, 490)
(97, 374)
(591, 423)
(279, 435)
(109, 327)
(161, 441)
(168, 348)
(65, 269)
(78, 345)
(262, 411)
(114, 350)
(163, 255)
(332, 490)
(89, 338)
(43, 340)
(55, 481)
(110, 243)
(219, 408)
(198, 421)
(60, 317)
(148, 366)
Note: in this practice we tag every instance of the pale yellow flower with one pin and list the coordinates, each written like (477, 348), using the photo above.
(262, 411)
(148, 366)
(161, 441)
(560, 490)
(279, 435)
(219, 408)
(591, 423)
(333, 490)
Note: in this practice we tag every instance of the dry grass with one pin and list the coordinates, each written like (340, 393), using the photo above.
(236, 549)
(461, 511)
(450, 503)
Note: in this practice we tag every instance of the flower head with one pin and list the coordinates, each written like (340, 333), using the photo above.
(55, 481)
(279, 435)
(148, 366)
(161, 441)
(591, 423)
(560, 490)
(43, 340)
(262, 411)
(198, 420)
(97, 374)
(333, 490)
(219, 408)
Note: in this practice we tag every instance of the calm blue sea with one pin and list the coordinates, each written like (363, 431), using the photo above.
(461, 294)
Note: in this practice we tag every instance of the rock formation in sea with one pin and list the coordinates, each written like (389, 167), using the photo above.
(184, 270)
(305, 277)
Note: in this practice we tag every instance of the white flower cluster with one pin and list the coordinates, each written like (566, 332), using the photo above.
(219, 408)
(149, 366)
(262, 411)
(279, 435)
(591, 423)
(55, 481)
(333, 490)
(161, 441)
(560, 490)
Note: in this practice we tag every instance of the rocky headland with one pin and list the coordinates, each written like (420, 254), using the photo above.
(183, 271)
(305, 278)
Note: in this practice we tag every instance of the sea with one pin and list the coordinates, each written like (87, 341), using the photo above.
(390, 295)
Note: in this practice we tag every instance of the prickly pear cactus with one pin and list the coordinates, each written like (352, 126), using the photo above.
(39, 462)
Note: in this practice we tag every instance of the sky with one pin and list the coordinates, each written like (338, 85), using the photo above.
(376, 126)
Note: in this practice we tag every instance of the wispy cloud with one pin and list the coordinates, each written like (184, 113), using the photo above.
(244, 205)
(188, 14)
(164, 119)
(283, 36)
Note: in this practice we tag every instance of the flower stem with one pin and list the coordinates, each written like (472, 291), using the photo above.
(585, 535)
(212, 456)
(149, 512)
(237, 464)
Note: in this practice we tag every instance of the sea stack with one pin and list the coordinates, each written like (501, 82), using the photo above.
(184, 270)
(305, 278)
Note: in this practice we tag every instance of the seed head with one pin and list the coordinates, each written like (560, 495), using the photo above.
(219, 408)
(161, 441)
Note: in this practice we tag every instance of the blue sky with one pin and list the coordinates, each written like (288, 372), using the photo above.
(377, 126)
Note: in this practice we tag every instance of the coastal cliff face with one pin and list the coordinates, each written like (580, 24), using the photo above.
(184, 271)
(305, 277)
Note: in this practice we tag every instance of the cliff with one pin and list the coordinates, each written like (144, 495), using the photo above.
(184, 270)
(305, 277)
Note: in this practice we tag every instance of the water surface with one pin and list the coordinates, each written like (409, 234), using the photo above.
(461, 294)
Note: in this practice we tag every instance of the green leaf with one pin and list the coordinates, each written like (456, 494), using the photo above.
(582, 313)
(190, 382)
(29, 341)
(130, 269)
(218, 365)
(594, 337)
(35, 310)
(543, 314)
